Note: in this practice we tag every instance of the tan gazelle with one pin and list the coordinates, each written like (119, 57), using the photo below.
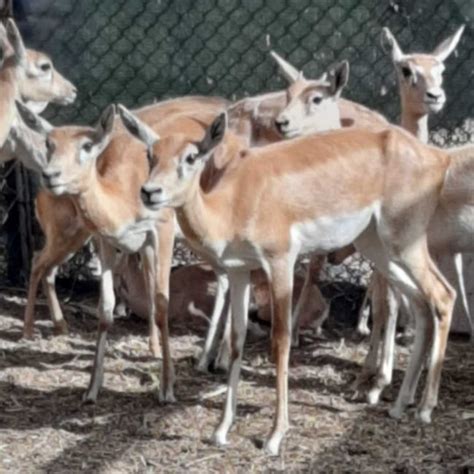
(447, 243)
(259, 208)
(257, 120)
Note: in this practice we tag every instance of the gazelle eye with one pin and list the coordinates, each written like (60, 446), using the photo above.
(406, 71)
(45, 67)
(317, 99)
(87, 147)
(191, 159)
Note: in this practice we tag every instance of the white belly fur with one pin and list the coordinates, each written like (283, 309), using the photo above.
(328, 233)
(240, 254)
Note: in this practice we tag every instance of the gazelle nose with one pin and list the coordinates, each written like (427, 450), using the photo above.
(146, 194)
(281, 123)
(434, 95)
(48, 175)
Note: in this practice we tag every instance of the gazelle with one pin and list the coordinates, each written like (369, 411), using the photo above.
(316, 193)
(420, 79)
(306, 107)
(36, 82)
(30, 76)
(420, 82)
(103, 172)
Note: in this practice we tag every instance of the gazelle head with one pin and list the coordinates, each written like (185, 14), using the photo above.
(420, 76)
(71, 152)
(42, 83)
(311, 104)
(175, 161)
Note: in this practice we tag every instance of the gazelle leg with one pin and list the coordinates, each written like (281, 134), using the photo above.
(318, 323)
(377, 287)
(364, 311)
(461, 291)
(415, 275)
(225, 347)
(49, 287)
(239, 297)
(442, 296)
(433, 318)
(106, 319)
(383, 377)
(210, 349)
(163, 259)
(314, 268)
(149, 269)
(44, 268)
(281, 284)
(37, 272)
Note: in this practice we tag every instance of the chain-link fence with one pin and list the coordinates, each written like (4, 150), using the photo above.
(139, 51)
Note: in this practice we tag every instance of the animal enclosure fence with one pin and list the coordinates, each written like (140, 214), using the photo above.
(139, 51)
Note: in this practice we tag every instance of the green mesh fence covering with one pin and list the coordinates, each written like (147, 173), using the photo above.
(139, 51)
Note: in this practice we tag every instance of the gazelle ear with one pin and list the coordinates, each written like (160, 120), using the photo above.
(389, 44)
(290, 73)
(338, 75)
(14, 37)
(214, 134)
(137, 128)
(446, 47)
(32, 120)
(104, 129)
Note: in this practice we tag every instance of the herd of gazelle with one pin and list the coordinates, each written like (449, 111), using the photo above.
(252, 186)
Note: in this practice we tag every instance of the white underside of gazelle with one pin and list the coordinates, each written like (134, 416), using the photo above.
(328, 233)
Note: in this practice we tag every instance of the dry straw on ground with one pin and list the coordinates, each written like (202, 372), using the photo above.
(44, 428)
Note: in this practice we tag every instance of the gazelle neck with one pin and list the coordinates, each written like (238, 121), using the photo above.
(203, 214)
(9, 92)
(416, 124)
(105, 206)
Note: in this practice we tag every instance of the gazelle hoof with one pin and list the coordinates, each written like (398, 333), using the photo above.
(295, 341)
(396, 413)
(373, 396)
(219, 439)
(166, 397)
(202, 366)
(272, 447)
(363, 331)
(61, 329)
(424, 415)
(28, 333)
(155, 350)
(88, 398)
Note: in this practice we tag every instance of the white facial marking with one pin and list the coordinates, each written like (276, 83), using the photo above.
(86, 151)
(188, 162)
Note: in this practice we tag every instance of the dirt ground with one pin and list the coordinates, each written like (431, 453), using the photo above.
(44, 427)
